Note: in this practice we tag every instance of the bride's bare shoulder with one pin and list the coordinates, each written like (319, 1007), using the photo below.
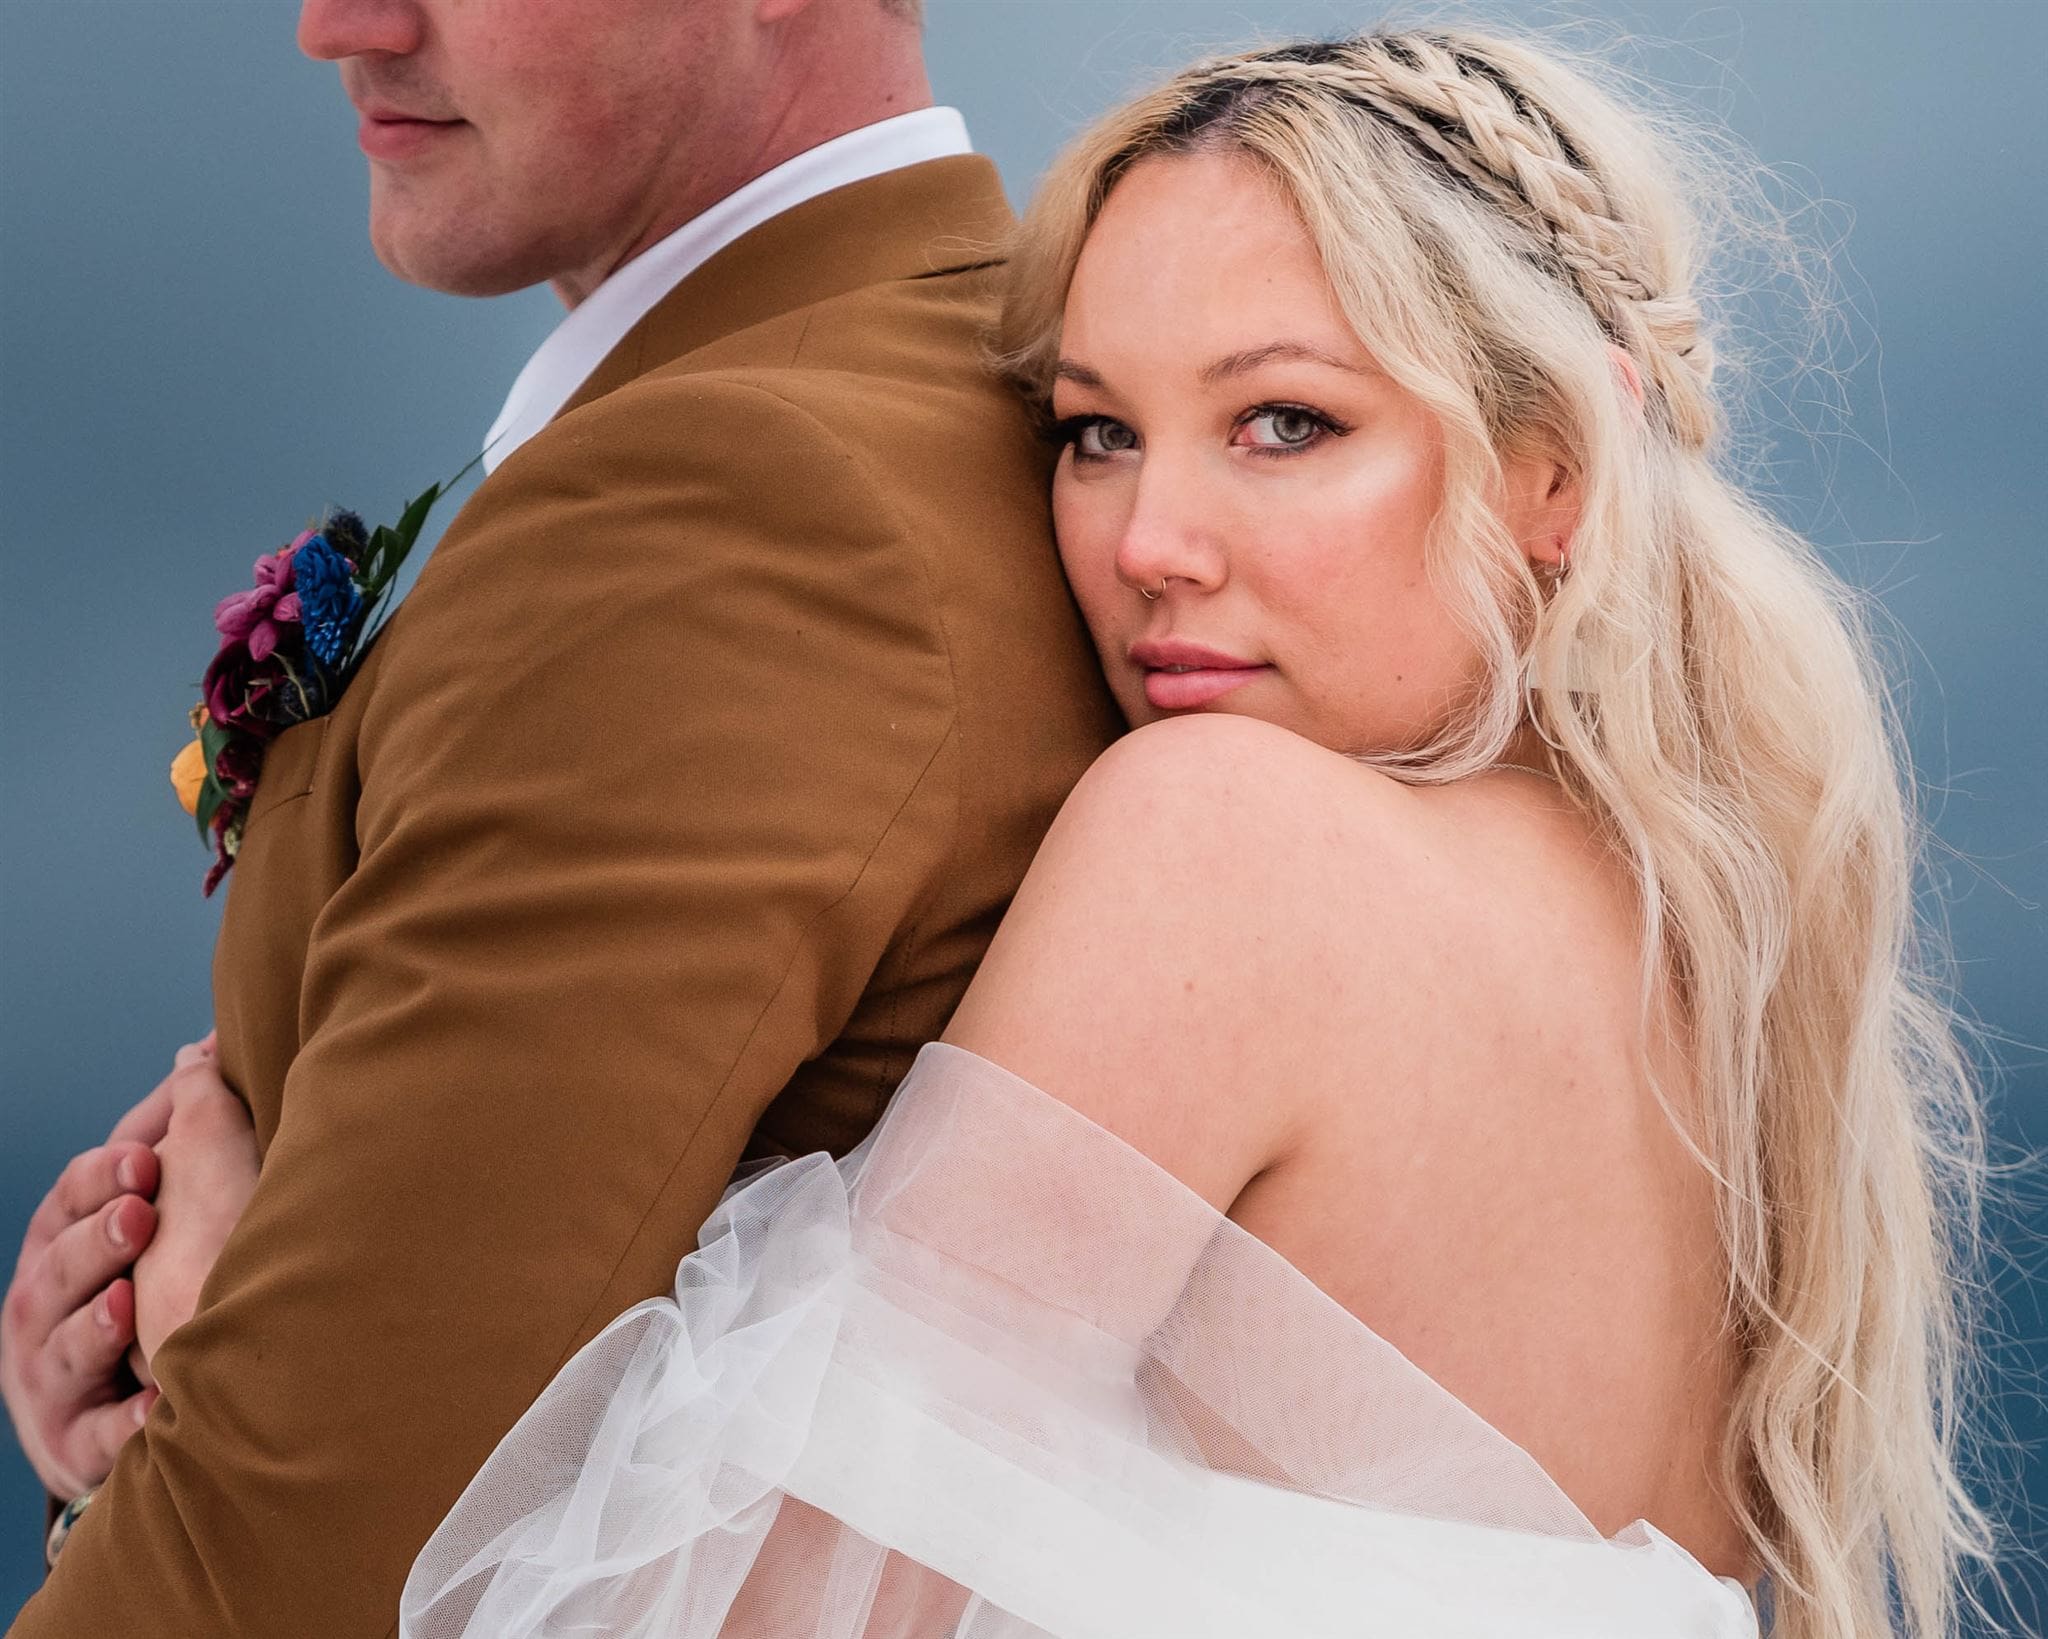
(1218, 793)
(1218, 907)
(1219, 828)
(1236, 822)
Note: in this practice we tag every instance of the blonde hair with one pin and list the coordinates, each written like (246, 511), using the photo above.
(1494, 224)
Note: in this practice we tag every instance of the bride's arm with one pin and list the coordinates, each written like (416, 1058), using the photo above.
(208, 1164)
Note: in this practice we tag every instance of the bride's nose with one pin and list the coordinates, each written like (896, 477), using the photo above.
(1172, 535)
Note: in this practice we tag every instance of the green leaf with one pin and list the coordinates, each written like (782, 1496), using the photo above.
(414, 518)
(211, 796)
(380, 562)
(213, 738)
(389, 545)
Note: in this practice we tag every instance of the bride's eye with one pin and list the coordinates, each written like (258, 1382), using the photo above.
(1094, 437)
(1286, 427)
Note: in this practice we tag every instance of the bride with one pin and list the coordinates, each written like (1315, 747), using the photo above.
(1449, 1139)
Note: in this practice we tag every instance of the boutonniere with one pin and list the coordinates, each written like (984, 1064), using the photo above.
(289, 645)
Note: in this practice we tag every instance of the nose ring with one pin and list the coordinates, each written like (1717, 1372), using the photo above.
(1150, 596)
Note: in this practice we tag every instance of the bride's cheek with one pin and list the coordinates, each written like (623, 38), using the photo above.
(1087, 548)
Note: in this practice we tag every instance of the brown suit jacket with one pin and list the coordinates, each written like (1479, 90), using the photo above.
(675, 805)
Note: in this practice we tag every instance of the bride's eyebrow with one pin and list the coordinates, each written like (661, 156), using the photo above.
(1238, 364)
(1234, 364)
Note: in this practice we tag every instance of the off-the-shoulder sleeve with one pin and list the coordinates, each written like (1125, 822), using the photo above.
(994, 1375)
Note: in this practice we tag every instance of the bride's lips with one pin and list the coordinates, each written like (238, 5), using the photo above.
(1197, 675)
(389, 134)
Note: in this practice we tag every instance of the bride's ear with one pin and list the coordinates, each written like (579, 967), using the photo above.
(1542, 513)
(1543, 495)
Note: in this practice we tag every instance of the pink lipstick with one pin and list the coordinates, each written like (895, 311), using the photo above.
(1182, 676)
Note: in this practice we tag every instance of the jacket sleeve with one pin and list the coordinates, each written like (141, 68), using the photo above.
(651, 773)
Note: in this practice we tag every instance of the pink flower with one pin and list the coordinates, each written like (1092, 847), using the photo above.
(252, 617)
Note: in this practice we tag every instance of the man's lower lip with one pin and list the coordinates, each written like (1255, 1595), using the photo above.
(1178, 691)
(400, 139)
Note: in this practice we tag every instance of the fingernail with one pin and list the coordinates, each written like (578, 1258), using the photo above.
(141, 1411)
(102, 1313)
(126, 1174)
(116, 1233)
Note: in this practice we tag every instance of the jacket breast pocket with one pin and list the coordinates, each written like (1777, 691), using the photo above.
(290, 764)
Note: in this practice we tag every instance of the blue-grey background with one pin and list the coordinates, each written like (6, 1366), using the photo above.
(197, 352)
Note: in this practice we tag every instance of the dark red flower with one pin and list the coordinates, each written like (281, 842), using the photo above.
(239, 690)
(222, 860)
(236, 767)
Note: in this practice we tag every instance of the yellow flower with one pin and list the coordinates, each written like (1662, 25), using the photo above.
(188, 775)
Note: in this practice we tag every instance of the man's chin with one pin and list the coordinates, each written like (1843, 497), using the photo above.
(441, 238)
(448, 265)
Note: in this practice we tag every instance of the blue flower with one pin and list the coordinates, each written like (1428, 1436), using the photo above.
(329, 604)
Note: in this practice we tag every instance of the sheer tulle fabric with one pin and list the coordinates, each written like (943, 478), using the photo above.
(995, 1374)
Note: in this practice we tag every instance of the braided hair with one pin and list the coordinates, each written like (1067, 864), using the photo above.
(1480, 131)
(1464, 113)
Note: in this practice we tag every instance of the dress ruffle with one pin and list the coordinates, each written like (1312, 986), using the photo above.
(996, 1374)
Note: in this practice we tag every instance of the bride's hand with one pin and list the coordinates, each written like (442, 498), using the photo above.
(209, 1162)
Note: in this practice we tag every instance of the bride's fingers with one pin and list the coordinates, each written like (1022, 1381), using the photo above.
(87, 1345)
(77, 1265)
(197, 1086)
(97, 1436)
(195, 1052)
(149, 1120)
(90, 1180)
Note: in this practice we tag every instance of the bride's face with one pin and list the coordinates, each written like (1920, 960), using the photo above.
(1233, 449)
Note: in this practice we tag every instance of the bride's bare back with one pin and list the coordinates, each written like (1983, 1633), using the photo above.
(1398, 1034)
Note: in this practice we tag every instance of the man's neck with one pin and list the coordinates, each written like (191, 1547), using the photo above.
(795, 124)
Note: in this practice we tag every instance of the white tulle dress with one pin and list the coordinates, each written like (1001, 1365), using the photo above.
(997, 1375)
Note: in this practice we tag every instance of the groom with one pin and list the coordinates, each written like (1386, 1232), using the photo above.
(670, 813)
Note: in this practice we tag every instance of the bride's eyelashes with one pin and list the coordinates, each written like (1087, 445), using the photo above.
(1291, 428)
(1092, 437)
(1276, 430)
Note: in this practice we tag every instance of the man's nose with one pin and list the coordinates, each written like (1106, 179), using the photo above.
(330, 30)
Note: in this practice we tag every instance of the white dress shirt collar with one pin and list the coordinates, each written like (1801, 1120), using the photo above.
(599, 323)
